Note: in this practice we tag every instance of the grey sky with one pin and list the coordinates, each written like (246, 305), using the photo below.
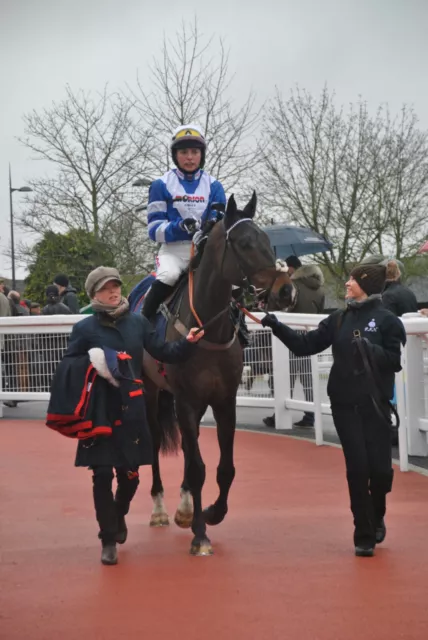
(374, 48)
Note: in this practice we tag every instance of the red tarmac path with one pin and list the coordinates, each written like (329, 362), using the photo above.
(283, 566)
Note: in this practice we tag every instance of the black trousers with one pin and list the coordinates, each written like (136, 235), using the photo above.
(366, 443)
(107, 507)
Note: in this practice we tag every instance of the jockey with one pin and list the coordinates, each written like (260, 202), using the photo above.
(179, 203)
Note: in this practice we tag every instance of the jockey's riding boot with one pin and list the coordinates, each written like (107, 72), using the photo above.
(159, 291)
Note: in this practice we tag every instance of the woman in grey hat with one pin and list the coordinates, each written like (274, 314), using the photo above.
(114, 328)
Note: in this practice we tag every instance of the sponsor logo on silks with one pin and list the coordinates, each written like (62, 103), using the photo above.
(189, 199)
(371, 326)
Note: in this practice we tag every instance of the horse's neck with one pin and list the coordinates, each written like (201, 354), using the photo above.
(212, 295)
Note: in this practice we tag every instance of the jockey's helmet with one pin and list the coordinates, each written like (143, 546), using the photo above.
(188, 136)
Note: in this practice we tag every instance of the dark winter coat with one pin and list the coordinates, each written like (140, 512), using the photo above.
(309, 281)
(130, 333)
(398, 298)
(55, 308)
(69, 298)
(109, 421)
(347, 383)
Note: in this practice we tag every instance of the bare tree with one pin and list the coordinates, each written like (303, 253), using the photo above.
(405, 188)
(96, 147)
(192, 83)
(340, 173)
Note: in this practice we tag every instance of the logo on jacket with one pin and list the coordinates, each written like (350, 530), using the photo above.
(371, 327)
(189, 199)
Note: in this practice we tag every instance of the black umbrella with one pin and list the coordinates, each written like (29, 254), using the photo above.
(299, 241)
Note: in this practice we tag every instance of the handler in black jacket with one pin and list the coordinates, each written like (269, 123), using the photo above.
(112, 326)
(364, 434)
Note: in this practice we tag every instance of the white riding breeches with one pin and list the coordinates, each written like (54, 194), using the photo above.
(172, 260)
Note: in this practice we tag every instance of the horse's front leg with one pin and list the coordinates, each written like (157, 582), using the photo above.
(188, 419)
(225, 417)
(184, 515)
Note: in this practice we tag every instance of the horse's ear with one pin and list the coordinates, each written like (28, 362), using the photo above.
(250, 208)
(231, 211)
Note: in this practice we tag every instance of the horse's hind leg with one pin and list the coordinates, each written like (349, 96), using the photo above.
(159, 516)
(225, 416)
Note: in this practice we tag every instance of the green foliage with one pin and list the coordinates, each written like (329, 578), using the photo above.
(74, 253)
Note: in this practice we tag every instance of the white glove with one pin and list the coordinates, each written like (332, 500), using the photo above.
(198, 237)
(98, 359)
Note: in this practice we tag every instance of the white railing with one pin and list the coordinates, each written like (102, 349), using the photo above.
(32, 346)
(411, 384)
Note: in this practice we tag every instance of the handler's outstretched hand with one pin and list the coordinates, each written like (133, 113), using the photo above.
(269, 320)
(194, 335)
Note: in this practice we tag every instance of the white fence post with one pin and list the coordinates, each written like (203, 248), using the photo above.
(401, 410)
(281, 384)
(319, 436)
(414, 395)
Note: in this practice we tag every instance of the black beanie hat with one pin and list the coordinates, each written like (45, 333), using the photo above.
(61, 279)
(52, 291)
(293, 262)
(370, 277)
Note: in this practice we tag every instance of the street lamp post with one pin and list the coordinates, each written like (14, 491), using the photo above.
(142, 182)
(12, 236)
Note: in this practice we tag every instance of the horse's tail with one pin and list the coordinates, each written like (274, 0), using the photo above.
(169, 431)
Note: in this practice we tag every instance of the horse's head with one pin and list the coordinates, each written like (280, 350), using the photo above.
(247, 259)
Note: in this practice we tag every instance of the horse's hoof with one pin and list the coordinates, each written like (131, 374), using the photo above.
(201, 549)
(183, 519)
(159, 520)
(212, 516)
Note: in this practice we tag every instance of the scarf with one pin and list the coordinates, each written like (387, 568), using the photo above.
(113, 312)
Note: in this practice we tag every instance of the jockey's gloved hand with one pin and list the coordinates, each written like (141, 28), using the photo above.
(270, 320)
(198, 236)
(190, 225)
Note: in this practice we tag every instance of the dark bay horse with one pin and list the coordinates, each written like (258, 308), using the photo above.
(237, 252)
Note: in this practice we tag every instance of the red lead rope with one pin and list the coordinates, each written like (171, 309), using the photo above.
(249, 314)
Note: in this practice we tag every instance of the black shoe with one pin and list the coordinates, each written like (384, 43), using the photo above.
(122, 530)
(269, 421)
(364, 552)
(158, 292)
(380, 532)
(304, 422)
(109, 554)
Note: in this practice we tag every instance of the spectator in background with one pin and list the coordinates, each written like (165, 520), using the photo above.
(67, 293)
(309, 282)
(4, 302)
(35, 309)
(396, 297)
(54, 306)
(16, 351)
(17, 309)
